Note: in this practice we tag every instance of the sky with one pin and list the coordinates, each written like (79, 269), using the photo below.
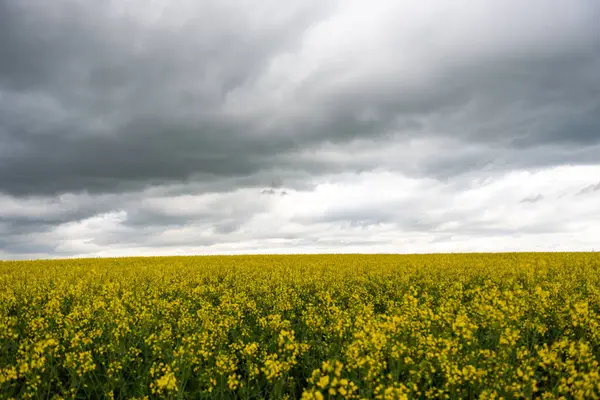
(136, 127)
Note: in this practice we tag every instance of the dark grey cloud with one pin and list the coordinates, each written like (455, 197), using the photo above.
(122, 109)
(94, 97)
(93, 100)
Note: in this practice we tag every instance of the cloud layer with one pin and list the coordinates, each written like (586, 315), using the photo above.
(129, 127)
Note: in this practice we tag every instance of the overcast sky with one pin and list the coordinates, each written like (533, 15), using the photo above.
(136, 127)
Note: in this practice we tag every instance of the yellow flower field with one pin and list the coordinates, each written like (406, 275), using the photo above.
(482, 326)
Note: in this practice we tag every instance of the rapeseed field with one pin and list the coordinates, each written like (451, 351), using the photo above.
(484, 326)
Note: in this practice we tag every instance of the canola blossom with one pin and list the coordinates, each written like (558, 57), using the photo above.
(485, 326)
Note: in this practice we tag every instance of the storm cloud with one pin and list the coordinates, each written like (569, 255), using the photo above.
(129, 127)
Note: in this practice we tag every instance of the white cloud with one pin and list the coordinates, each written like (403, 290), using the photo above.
(368, 213)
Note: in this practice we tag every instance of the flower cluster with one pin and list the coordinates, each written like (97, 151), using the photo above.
(486, 326)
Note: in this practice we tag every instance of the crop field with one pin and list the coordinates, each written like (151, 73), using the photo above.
(309, 326)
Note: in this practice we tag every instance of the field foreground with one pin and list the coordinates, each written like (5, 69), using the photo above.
(318, 326)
